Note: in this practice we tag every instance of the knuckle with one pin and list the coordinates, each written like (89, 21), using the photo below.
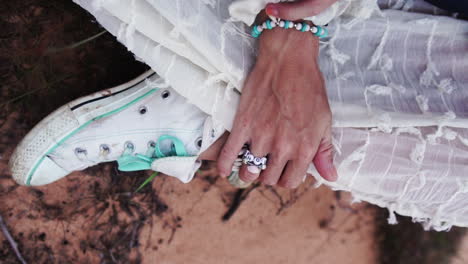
(293, 186)
(222, 168)
(304, 154)
(258, 140)
(267, 125)
(244, 121)
(279, 153)
(276, 156)
(290, 181)
(309, 146)
(269, 182)
(289, 184)
(226, 153)
(306, 149)
(269, 179)
(224, 160)
(248, 177)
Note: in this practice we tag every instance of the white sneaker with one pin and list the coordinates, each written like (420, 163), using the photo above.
(139, 124)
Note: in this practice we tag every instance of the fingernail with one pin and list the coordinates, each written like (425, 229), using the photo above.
(253, 169)
(271, 10)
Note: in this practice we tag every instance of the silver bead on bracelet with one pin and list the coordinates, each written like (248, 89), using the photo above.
(318, 31)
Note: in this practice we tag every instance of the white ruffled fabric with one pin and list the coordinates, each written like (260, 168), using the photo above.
(247, 10)
(397, 85)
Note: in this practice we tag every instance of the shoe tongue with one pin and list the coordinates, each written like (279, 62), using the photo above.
(167, 148)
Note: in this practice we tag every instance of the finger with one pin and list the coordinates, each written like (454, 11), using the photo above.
(323, 160)
(302, 155)
(230, 151)
(298, 10)
(242, 124)
(259, 148)
(294, 173)
(263, 135)
(275, 166)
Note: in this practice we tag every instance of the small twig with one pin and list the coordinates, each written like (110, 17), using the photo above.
(112, 256)
(21, 96)
(173, 230)
(133, 238)
(342, 204)
(12, 242)
(77, 44)
(2, 104)
(240, 196)
(235, 204)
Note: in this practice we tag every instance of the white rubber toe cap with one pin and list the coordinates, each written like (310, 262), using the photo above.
(47, 172)
(37, 143)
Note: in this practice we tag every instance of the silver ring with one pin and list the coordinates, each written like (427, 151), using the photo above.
(251, 160)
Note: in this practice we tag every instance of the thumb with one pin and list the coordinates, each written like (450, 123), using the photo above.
(298, 10)
(323, 161)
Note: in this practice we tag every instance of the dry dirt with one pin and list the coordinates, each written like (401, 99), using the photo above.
(462, 256)
(94, 217)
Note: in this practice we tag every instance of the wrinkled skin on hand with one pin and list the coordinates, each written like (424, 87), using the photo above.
(283, 113)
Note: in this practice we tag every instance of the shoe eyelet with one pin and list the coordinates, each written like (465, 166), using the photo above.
(151, 144)
(105, 149)
(129, 145)
(198, 142)
(80, 151)
(165, 94)
(143, 110)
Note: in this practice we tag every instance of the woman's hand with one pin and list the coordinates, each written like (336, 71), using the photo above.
(298, 9)
(283, 113)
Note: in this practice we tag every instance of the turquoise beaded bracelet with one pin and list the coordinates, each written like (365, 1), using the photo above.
(318, 31)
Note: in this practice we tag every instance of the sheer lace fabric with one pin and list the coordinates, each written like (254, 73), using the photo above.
(397, 85)
(247, 10)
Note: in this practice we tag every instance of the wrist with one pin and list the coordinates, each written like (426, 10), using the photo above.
(278, 42)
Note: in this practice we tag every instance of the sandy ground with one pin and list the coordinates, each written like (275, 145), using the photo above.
(94, 217)
(462, 256)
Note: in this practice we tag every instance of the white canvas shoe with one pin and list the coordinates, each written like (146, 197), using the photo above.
(140, 124)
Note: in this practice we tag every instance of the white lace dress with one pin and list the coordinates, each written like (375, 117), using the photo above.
(396, 75)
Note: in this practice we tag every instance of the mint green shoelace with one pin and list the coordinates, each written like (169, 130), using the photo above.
(136, 162)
